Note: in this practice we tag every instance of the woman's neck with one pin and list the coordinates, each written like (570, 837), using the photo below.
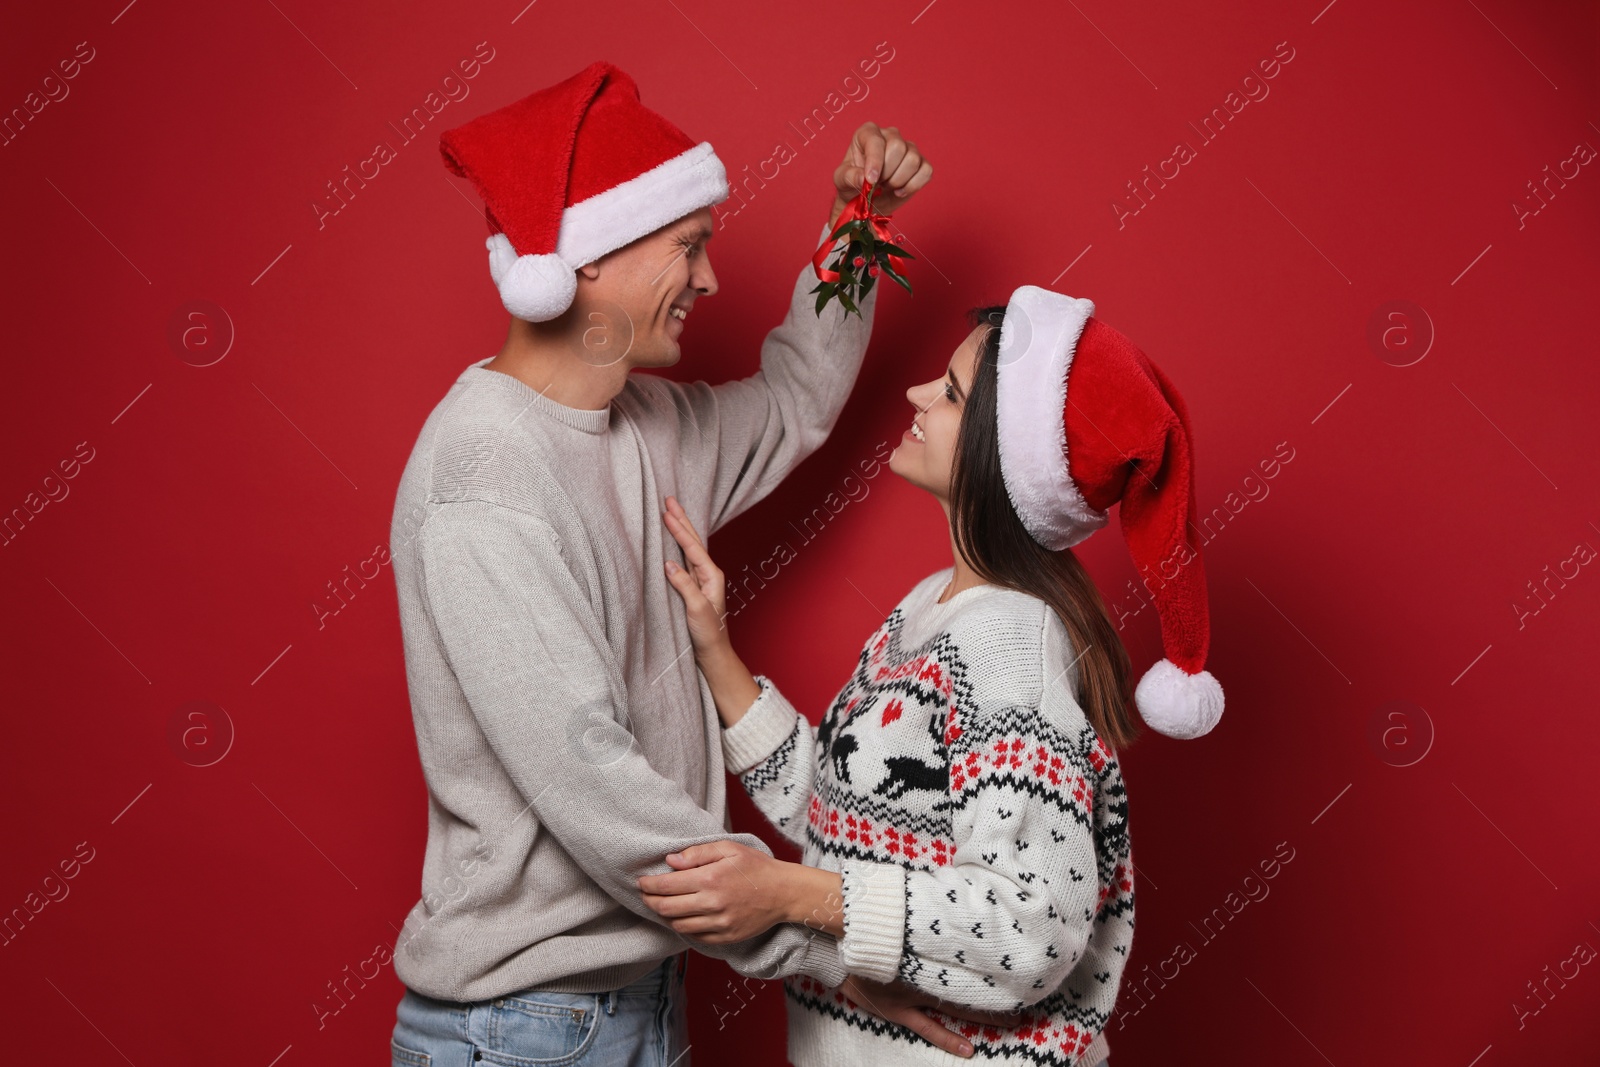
(964, 578)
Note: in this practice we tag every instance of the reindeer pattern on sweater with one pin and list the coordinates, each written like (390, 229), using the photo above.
(978, 822)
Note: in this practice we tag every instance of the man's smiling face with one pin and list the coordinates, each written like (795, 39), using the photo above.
(633, 303)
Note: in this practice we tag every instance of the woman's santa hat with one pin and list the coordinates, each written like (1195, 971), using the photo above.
(1085, 421)
(572, 172)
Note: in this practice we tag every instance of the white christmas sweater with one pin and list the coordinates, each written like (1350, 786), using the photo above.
(978, 822)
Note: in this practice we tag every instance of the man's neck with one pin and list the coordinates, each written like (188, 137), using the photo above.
(546, 359)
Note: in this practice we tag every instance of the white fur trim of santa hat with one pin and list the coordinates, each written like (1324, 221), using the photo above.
(1038, 337)
(541, 287)
(1176, 703)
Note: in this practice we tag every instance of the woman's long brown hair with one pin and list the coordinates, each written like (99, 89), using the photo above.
(995, 544)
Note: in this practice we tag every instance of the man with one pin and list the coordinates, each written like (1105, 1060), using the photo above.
(566, 736)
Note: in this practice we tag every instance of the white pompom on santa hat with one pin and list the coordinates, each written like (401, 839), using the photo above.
(1086, 420)
(572, 172)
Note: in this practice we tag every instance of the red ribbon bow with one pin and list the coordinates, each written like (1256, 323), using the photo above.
(859, 208)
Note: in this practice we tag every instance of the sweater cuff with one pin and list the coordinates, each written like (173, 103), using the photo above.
(767, 724)
(824, 961)
(874, 919)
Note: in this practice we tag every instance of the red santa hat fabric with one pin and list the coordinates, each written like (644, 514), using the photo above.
(572, 172)
(1086, 420)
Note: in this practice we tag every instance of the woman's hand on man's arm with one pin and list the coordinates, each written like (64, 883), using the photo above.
(722, 892)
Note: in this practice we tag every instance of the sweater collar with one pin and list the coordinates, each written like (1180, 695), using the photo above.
(596, 420)
(925, 616)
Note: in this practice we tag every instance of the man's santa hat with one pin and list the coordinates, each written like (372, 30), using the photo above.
(572, 172)
(1085, 421)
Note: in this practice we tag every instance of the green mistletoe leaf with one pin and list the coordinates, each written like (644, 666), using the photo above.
(825, 293)
(899, 280)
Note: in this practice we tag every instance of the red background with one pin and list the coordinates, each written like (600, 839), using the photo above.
(1383, 565)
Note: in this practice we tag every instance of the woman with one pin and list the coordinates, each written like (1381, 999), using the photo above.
(961, 807)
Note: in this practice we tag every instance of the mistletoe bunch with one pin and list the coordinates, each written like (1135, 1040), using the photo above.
(868, 253)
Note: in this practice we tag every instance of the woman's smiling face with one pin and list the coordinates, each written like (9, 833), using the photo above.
(925, 456)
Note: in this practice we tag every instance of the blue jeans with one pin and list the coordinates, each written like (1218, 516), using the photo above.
(639, 1025)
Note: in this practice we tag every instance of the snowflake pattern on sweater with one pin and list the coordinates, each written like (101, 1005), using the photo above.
(979, 824)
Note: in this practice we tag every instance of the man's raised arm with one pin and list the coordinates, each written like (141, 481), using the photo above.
(739, 439)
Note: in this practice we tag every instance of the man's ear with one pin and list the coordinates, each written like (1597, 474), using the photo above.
(590, 270)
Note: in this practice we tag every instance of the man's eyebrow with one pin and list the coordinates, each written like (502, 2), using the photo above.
(700, 232)
(960, 392)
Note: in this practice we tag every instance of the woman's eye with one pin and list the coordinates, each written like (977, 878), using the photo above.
(949, 393)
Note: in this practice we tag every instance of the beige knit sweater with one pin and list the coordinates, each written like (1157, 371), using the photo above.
(566, 736)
